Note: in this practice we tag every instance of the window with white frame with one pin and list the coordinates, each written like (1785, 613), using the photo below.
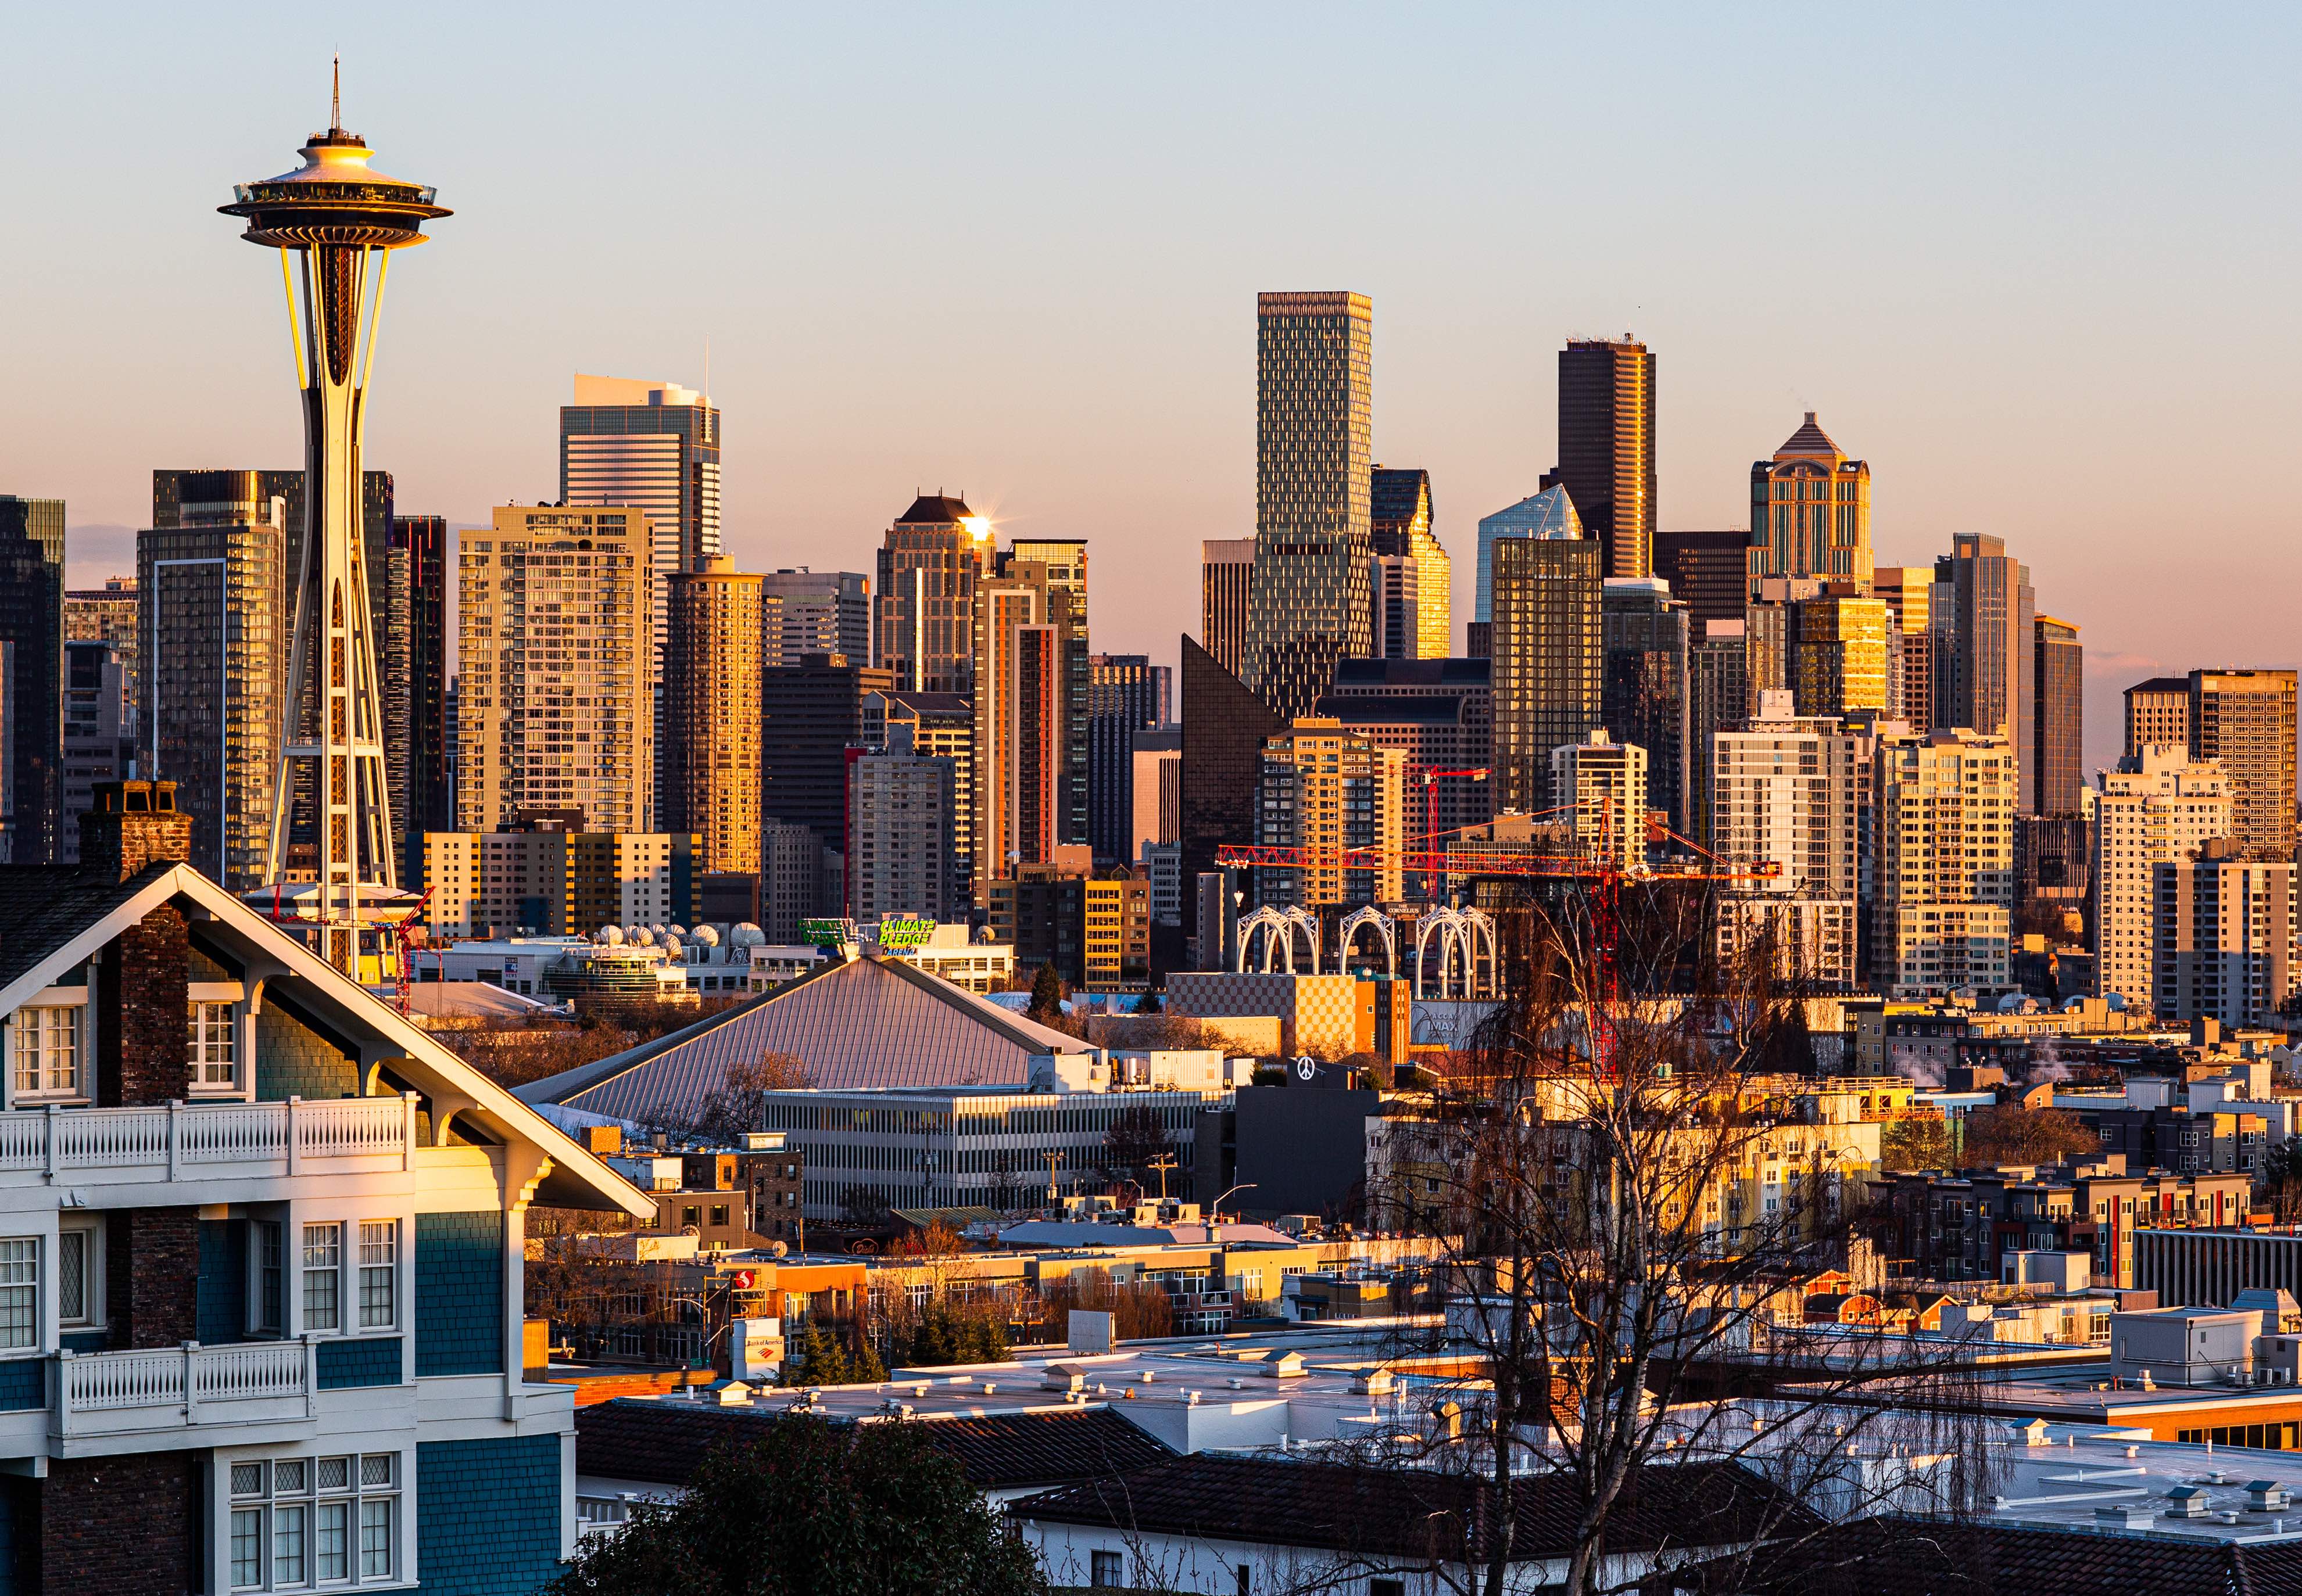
(270, 1274)
(378, 1257)
(47, 1050)
(323, 1276)
(209, 1064)
(80, 1275)
(20, 1291)
(301, 1523)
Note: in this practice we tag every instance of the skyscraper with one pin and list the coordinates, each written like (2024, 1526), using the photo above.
(106, 614)
(899, 819)
(1810, 510)
(1549, 662)
(1308, 603)
(811, 716)
(556, 708)
(1788, 790)
(1983, 612)
(1064, 562)
(214, 670)
(1906, 590)
(1439, 714)
(1643, 636)
(1325, 791)
(1412, 580)
(413, 669)
(1718, 700)
(172, 487)
(2158, 804)
(32, 633)
(1026, 802)
(2158, 711)
(1156, 812)
(1838, 653)
(1126, 693)
(814, 612)
(1607, 448)
(1943, 866)
(1705, 570)
(940, 726)
(1601, 784)
(2058, 751)
(2244, 720)
(1224, 723)
(712, 665)
(1550, 514)
(98, 746)
(1226, 570)
(651, 446)
(929, 562)
(2228, 937)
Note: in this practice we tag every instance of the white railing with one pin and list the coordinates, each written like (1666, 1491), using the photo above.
(168, 1138)
(191, 1384)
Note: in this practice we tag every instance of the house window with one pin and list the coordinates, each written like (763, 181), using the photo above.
(47, 1051)
(379, 1255)
(1102, 1568)
(208, 1048)
(80, 1277)
(323, 1262)
(301, 1522)
(20, 1291)
(268, 1275)
(720, 1214)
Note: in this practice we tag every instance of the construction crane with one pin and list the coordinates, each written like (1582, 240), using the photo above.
(402, 940)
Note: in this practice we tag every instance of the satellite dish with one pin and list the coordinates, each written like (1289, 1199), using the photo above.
(1306, 1069)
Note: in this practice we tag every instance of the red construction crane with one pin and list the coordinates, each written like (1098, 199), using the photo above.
(401, 937)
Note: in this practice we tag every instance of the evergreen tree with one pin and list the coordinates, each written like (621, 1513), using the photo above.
(864, 1364)
(1047, 993)
(822, 1361)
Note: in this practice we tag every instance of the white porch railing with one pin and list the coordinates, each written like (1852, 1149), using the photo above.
(172, 1139)
(161, 1388)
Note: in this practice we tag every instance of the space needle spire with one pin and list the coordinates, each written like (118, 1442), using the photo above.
(335, 222)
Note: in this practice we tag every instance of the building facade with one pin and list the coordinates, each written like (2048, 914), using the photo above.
(105, 613)
(1984, 617)
(1226, 577)
(1838, 654)
(651, 446)
(805, 612)
(1607, 448)
(1906, 591)
(1788, 792)
(556, 707)
(1411, 581)
(2058, 717)
(1705, 570)
(1126, 693)
(2244, 720)
(1943, 868)
(2227, 937)
(1224, 725)
(1156, 802)
(2158, 712)
(810, 725)
(32, 633)
(96, 718)
(1602, 785)
(713, 662)
(1642, 699)
(1718, 700)
(1810, 510)
(1548, 659)
(929, 562)
(412, 630)
(2159, 805)
(1550, 514)
(1308, 604)
(548, 877)
(899, 828)
(1328, 791)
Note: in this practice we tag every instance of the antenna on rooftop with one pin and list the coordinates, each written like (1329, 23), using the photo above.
(336, 96)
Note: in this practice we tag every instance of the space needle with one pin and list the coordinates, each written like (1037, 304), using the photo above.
(335, 222)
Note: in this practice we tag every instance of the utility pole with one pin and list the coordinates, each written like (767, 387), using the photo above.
(1054, 1157)
(1162, 1164)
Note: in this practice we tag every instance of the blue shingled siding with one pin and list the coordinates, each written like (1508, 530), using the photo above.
(487, 1515)
(460, 1293)
(24, 1383)
(292, 1060)
(371, 1360)
(222, 1311)
(86, 1340)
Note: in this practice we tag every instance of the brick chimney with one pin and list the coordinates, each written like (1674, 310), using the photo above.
(133, 823)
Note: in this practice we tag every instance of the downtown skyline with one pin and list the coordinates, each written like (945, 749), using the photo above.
(1982, 320)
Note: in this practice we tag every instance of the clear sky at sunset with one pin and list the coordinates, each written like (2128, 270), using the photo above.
(2037, 264)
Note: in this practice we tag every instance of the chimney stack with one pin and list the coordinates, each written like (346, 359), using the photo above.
(133, 823)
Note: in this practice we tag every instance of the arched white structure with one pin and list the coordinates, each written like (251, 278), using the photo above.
(1279, 926)
(1461, 935)
(1368, 915)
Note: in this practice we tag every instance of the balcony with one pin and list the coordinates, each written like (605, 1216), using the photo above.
(97, 1394)
(196, 1140)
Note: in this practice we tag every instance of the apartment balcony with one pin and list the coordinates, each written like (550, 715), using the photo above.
(193, 1141)
(100, 1395)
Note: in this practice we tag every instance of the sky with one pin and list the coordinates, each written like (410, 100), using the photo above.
(2036, 265)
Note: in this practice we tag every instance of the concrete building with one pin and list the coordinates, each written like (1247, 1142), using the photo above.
(804, 612)
(547, 875)
(712, 665)
(1985, 617)
(1226, 574)
(1326, 791)
(412, 671)
(1943, 869)
(800, 879)
(1126, 695)
(1642, 699)
(96, 746)
(1156, 793)
(556, 708)
(654, 448)
(1092, 924)
(2245, 721)
(1308, 604)
(2157, 714)
(1607, 448)
(2227, 940)
(1602, 783)
(2159, 805)
(1411, 580)
(105, 613)
(1789, 792)
(929, 562)
(1811, 511)
(1027, 801)
(1439, 714)
(899, 827)
(941, 726)
(1550, 672)
(2058, 740)
(1718, 700)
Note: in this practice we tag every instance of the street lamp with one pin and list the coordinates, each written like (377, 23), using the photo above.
(1217, 1204)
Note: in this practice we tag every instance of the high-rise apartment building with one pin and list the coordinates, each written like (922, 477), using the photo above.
(1789, 792)
(1705, 570)
(215, 671)
(1943, 865)
(412, 673)
(1326, 791)
(245, 493)
(2228, 937)
(1642, 700)
(1224, 725)
(1984, 616)
(1226, 576)
(713, 661)
(1125, 692)
(1022, 713)
(1810, 510)
(1602, 784)
(2058, 717)
(1549, 662)
(105, 613)
(1550, 514)
(96, 719)
(814, 612)
(800, 879)
(32, 633)
(2159, 804)
(1308, 604)
(939, 725)
(929, 562)
(1607, 448)
(1440, 715)
(2158, 711)
(811, 717)
(1905, 590)
(2244, 720)
(555, 623)
(1838, 653)
(1411, 580)
(1718, 700)
(899, 820)
(544, 874)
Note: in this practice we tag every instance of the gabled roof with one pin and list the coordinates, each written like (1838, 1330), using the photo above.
(1417, 1513)
(662, 1442)
(53, 919)
(1810, 439)
(936, 509)
(863, 1024)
